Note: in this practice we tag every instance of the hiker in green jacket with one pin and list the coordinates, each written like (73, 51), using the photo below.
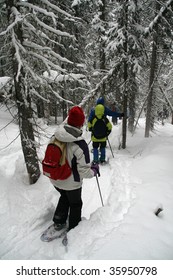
(100, 128)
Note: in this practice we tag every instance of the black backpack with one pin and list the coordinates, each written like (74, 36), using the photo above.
(100, 129)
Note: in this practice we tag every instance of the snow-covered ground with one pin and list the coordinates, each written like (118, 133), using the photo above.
(136, 181)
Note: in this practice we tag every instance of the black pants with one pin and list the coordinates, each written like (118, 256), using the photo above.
(70, 203)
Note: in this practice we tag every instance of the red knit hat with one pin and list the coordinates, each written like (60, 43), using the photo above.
(76, 116)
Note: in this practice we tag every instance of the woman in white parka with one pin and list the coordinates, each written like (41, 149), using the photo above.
(70, 201)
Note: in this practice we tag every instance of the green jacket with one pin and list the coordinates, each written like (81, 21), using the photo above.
(99, 114)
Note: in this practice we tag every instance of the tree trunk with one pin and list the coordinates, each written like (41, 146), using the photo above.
(102, 43)
(124, 127)
(149, 116)
(26, 129)
(40, 108)
(23, 102)
(132, 111)
(134, 88)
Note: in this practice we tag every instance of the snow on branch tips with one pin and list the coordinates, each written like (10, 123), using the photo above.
(47, 62)
(55, 31)
(40, 34)
(48, 49)
(17, 55)
(32, 73)
(56, 8)
(95, 91)
(18, 18)
(156, 19)
(60, 98)
(38, 9)
(36, 93)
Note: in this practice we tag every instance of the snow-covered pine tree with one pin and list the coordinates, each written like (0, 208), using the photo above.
(125, 51)
(36, 33)
(95, 19)
(160, 28)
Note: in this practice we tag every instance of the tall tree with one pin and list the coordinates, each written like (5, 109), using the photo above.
(32, 34)
(22, 96)
(161, 28)
(125, 48)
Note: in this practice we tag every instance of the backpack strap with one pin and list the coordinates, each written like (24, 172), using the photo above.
(63, 148)
(105, 119)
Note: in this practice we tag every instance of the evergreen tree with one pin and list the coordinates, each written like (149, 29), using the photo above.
(161, 29)
(37, 36)
(125, 50)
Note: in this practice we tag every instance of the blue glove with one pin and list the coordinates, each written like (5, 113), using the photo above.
(95, 168)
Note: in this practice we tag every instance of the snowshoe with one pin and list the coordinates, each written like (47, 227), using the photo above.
(53, 232)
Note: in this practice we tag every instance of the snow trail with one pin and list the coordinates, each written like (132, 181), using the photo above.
(118, 195)
(132, 185)
(38, 203)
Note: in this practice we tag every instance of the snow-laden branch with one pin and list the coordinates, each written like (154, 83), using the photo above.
(156, 19)
(56, 8)
(58, 78)
(34, 92)
(94, 91)
(17, 55)
(58, 32)
(167, 99)
(18, 18)
(59, 97)
(35, 77)
(38, 9)
(49, 50)
(47, 62)
(40, 34)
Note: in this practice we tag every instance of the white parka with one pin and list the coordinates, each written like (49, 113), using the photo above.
(77, 156)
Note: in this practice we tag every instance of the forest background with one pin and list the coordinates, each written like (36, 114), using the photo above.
(56, 54)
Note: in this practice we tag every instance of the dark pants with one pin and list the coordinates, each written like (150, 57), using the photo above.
(70, 203)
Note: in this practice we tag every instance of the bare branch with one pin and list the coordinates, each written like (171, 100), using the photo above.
(11, 142)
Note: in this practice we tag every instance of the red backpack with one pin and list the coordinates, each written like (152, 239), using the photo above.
(55, 164)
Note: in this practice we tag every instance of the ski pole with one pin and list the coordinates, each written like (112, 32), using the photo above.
(65, 240)
(110, 148)
(99, 190)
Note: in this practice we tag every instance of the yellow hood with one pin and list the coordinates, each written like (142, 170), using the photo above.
(99, 111)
